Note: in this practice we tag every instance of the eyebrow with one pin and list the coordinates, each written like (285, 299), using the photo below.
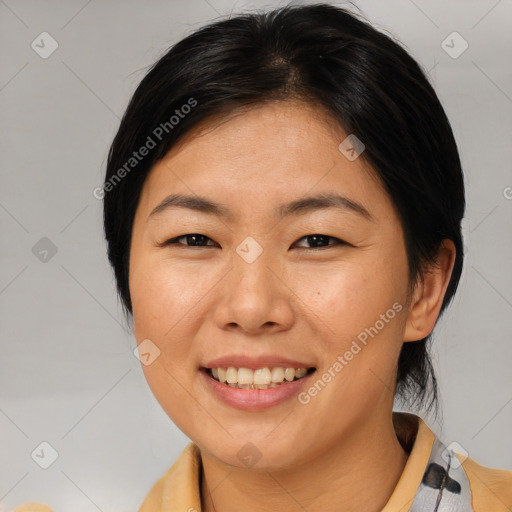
(298, 207)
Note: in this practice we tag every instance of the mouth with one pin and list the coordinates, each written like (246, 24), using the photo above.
(259, 378)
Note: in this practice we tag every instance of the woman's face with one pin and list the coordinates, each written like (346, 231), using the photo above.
(256, 289)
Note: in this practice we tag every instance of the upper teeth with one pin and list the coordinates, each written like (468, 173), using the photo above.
(262, 376)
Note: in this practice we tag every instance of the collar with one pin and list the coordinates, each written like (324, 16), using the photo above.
(420, 487)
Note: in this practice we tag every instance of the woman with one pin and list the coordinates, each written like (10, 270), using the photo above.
(282, 207)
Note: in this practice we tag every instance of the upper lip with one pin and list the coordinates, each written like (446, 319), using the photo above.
(241, 361)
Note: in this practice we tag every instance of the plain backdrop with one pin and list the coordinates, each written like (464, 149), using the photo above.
(68, 375)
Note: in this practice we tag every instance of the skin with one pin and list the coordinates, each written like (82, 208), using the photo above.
(340, 450)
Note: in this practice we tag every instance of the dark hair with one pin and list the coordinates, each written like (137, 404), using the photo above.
(325, 56)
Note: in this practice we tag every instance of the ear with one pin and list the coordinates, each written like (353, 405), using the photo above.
(429, 294)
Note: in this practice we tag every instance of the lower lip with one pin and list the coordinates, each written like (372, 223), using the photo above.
(254, 399)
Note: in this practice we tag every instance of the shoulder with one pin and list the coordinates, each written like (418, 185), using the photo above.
(179, 486)
(491, 488)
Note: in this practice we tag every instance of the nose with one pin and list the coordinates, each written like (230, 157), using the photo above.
(255, 297)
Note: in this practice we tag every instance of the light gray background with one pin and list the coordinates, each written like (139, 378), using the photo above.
(68, 375)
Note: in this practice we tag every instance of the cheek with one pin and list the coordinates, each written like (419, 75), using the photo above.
(163, 307)
(163, 296)
(346, 298)
(163, 301)
(357, 310)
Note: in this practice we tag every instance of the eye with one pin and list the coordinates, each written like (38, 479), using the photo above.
(196, 239)
(199, 240)
(317, 240)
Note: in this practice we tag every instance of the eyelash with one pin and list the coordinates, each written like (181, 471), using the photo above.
(174, 241)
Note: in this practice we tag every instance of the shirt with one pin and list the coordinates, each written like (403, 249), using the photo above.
(436, 478)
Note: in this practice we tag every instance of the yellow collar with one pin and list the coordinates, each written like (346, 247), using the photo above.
(179, 489)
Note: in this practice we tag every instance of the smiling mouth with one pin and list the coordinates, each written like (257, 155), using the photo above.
(261, 378)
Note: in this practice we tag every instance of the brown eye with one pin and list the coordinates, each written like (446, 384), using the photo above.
(191, 240)
(321, 241)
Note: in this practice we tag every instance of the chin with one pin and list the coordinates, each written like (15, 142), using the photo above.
(255, 452)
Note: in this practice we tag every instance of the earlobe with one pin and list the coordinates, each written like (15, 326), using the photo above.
(429, 294)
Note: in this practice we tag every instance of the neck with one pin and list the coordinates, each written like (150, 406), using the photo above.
(356, 473)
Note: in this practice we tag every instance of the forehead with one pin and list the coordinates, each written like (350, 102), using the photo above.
(256, 129)
(263, 156)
